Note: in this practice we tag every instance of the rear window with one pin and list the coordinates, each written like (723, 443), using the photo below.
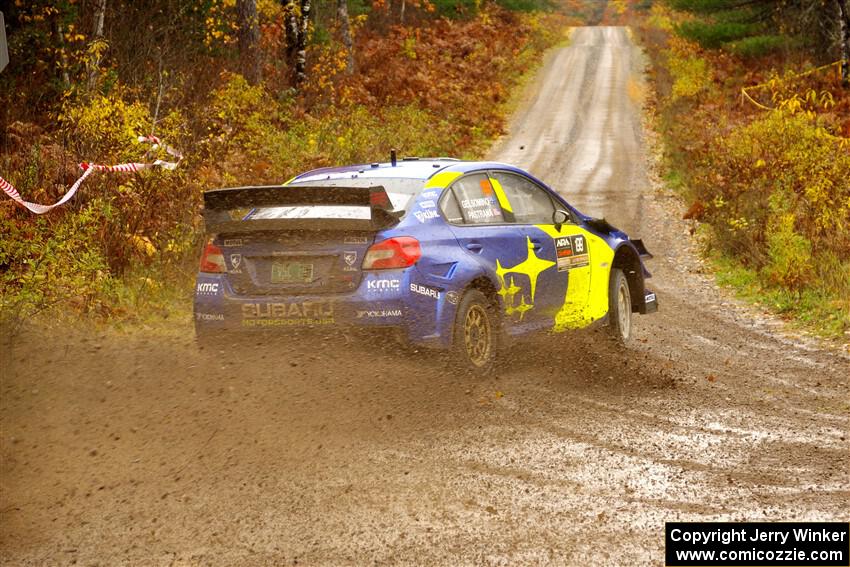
(400, 190)
(309, 212)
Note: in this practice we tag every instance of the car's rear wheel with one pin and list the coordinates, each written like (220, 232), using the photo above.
(476, 334)
(619, 307)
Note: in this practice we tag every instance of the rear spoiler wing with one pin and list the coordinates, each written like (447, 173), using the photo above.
(219, 203)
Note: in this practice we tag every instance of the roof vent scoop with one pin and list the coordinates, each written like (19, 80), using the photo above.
(393, 159)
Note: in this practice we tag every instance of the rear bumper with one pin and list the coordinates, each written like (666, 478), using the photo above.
(387, 299)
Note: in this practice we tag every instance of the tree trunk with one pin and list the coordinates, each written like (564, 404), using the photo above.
(345, 29)
(844, 26)
(291, 18)
(301, 45)
(97, 33)
(63, 55)
(297, 18)
(99, 15)
(249, 39)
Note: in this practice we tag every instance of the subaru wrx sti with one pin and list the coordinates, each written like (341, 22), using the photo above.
(455, 255)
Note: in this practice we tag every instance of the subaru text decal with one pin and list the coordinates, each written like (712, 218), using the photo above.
(299, 313)
(425, 290)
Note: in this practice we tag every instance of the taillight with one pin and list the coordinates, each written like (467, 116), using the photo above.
(399, 252)
(212, 260)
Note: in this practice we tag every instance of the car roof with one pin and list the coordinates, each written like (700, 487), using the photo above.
(411, 168)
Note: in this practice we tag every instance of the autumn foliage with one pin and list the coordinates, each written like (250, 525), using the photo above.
(433, 86)
(767, 170)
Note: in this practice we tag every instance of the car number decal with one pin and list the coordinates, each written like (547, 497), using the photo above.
(571, 252)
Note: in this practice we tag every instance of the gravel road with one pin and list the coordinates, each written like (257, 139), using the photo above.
(138, 449)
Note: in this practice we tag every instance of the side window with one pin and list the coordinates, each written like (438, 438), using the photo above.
(531, 204)
(477, 200)
(450, 208)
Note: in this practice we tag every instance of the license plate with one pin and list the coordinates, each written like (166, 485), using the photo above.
(292, 272)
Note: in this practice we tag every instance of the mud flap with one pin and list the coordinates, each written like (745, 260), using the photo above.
(641, 248)
(650, 303)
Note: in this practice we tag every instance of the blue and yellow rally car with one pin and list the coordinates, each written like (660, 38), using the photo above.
(456, 255)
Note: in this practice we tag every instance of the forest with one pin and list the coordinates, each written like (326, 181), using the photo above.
(246, 92)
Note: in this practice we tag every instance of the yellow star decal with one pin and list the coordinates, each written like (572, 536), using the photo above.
(532, 267)
(521, 308)
(508, 292)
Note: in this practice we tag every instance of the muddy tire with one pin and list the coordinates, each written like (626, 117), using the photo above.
(476, 334)
(619, 307)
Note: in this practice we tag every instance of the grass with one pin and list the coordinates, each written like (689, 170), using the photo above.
(811, 309)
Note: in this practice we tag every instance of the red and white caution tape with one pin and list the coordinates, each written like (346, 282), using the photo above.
(88, 169)
(128, 167)
(41, 209)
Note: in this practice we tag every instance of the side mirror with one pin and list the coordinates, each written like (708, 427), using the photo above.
(560, 218)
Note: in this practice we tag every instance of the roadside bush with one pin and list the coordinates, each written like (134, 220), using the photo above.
(49, 261)
(417, 103)
(471, 8)
(699, 6)
(779, 198)
(771, 186)
(72, 256)
(242, 115)
(145, 214)
(790, 262)
(690, 72)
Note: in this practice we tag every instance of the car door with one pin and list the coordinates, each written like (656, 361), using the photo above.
(477, 219)
(563, 291)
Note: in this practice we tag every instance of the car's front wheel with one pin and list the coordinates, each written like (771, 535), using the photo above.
(619, 307)
(476, 334)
